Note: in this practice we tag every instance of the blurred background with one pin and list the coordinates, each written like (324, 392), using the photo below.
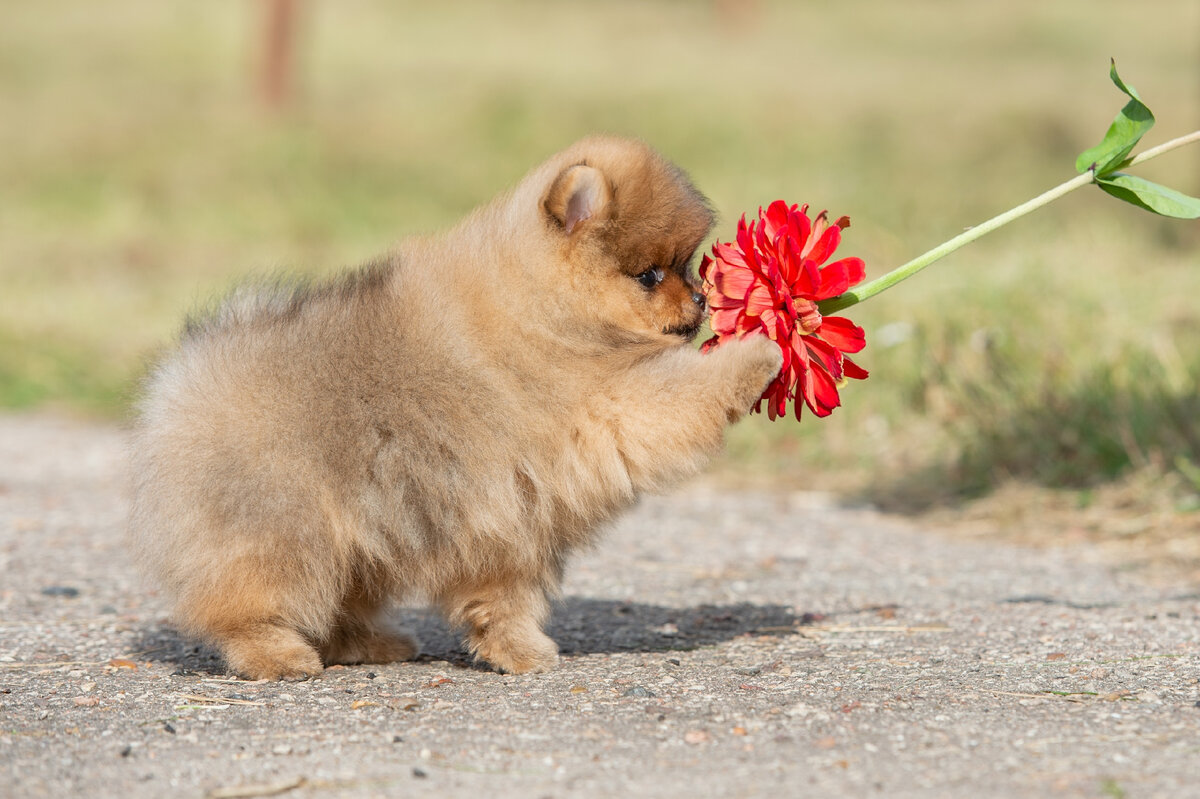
(153, 153)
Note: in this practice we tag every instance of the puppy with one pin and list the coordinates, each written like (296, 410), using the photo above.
(449, 422)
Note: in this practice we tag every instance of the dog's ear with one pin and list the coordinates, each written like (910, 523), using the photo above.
(579, 194)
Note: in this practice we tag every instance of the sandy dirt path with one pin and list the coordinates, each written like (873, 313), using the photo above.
(717, 644)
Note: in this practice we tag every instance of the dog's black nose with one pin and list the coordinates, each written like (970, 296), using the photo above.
(698, 298)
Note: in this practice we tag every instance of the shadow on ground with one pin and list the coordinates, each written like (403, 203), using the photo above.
(581, 626)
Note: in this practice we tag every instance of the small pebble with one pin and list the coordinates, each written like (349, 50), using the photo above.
(639, 691)
(126, 750)
(404, 703)
(167, 727)
(419, 773)
(61, 590)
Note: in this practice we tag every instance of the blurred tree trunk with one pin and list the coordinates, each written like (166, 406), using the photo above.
(739, 15)
(277, 80)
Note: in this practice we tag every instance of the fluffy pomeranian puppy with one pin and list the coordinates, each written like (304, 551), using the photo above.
(448, 422)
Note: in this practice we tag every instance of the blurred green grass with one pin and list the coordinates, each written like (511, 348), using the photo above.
(139, 177)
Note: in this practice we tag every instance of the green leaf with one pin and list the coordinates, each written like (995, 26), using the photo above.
(1123, 134)
(1151, 196)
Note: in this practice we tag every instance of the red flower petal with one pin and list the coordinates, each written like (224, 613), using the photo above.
(825, 354)
(769, 281)
(745, 241)
(724, 321)
(824, 395)
(834, 281)
(843, 334)
(733, 281)
(808, 277)
(851, 369)
(801, 227)
(824, 246)
(759, 299)
(731, 255)
(775, 219)
(856, 270)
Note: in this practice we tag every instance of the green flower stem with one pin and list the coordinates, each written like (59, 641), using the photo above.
(1165, 147)
(867, 290)
(909, 269)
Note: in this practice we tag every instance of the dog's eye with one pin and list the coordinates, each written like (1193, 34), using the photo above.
(650, 278)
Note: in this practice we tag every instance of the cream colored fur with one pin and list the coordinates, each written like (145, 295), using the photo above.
(449, 422)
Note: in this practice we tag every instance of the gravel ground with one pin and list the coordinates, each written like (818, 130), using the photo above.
(717, 644)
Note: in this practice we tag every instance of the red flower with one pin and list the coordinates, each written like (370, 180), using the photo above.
(771, 281)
